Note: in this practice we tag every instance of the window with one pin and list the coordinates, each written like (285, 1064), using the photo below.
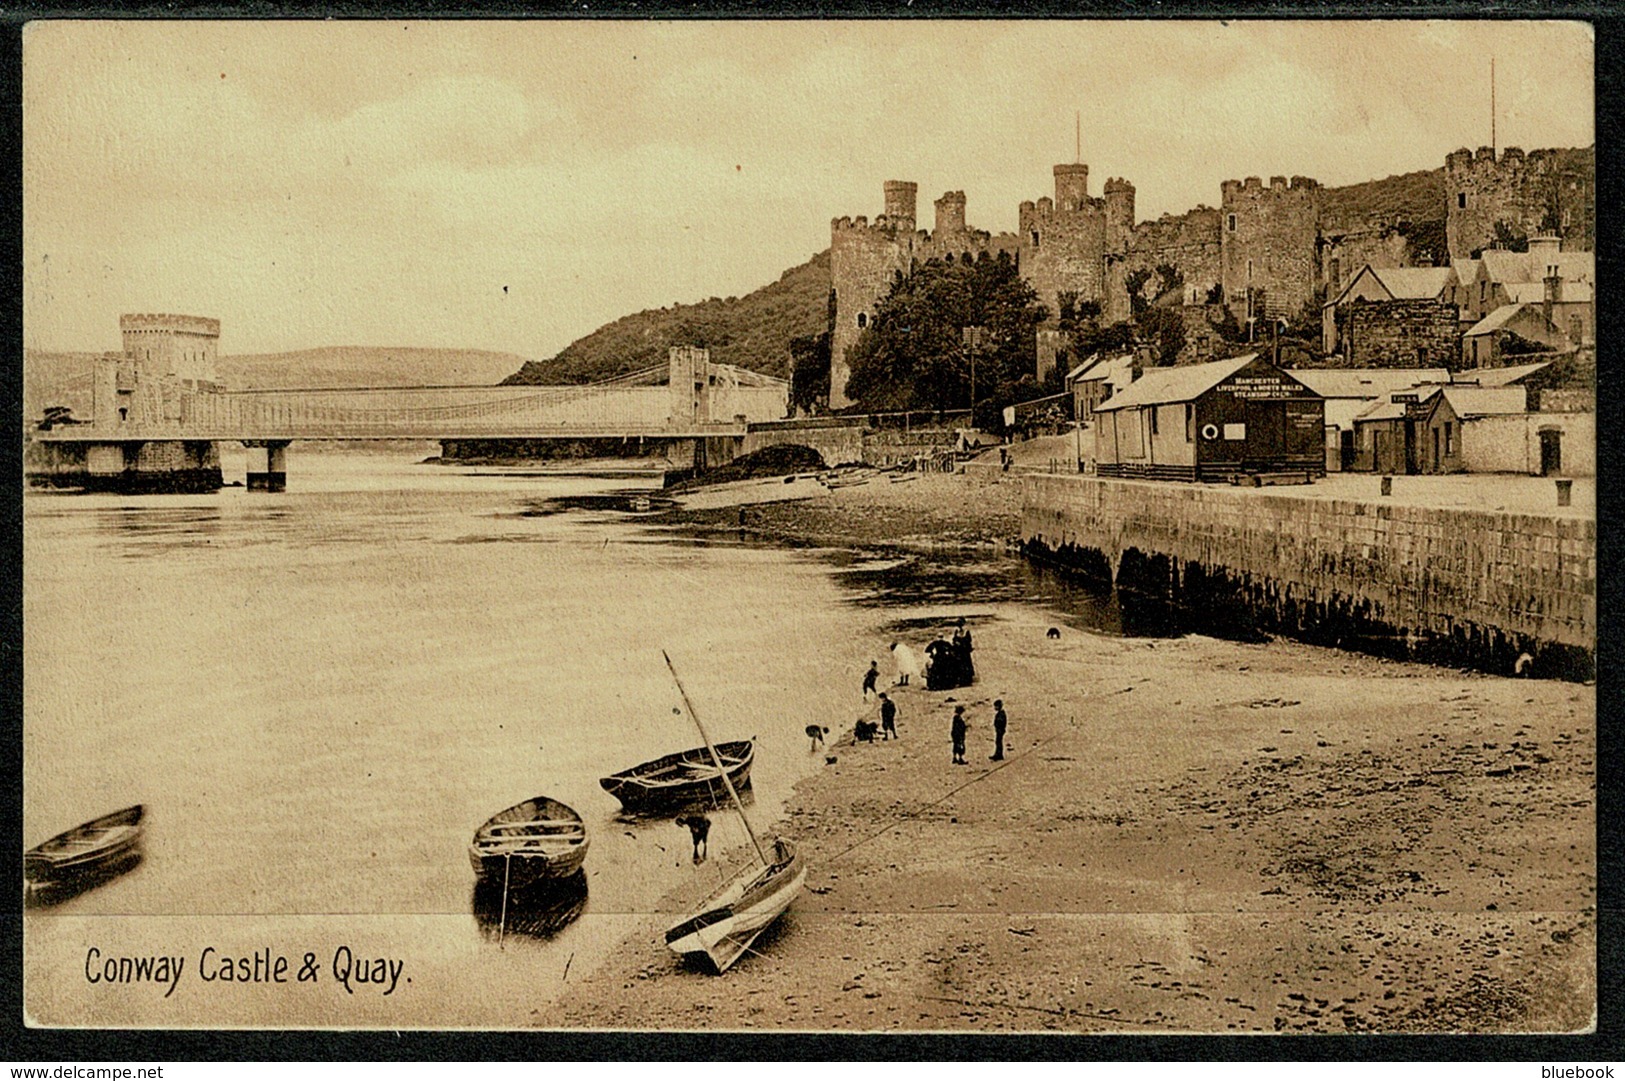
(863, 320)
(1337, 272)
(1230, 223)
(1190, 422)
(1154, 412)
(1461, 200)
(1449, 439)
(1035, 238)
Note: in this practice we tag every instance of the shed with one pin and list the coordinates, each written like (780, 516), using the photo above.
(1209, 422)
(1349, 392)
(1420, 430)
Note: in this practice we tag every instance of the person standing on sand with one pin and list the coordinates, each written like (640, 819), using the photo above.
(999, 721)
(888, 718)
(962, 649)
(908, 663)
(870, 678)
(959, 735)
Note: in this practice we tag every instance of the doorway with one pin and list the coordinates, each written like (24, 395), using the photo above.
(1551, 451)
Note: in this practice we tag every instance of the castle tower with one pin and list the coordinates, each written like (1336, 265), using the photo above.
(864, 259)
(1071, 186)
(900, 201)
(1268, 238)
(183, 347)
(1119, 214)
(1526, 194)
(950, 214)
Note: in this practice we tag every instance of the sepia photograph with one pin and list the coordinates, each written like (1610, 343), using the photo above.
(917, 526)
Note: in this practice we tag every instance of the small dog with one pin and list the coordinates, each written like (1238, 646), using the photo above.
(1053, 632)
(864, 731)
(699, 828)
(816, 734)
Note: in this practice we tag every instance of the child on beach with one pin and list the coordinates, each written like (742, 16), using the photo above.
(959, 735)
(870, 678)
(888, 718)
(908, 663)
(999, 723)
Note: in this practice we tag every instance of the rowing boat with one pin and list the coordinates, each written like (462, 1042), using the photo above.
(539, 838)
(682, 779)
(83, 850)
(729, 920)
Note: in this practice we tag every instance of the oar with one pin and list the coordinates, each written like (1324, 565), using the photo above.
(502, 925)
(717, 759)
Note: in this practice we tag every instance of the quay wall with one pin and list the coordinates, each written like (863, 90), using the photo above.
(1464, 587)
(837, 444)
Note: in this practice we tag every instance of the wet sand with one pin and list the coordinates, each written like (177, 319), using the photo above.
(1186, 836)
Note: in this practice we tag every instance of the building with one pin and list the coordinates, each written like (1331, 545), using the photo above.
(1348, 392)
(1209, 422)
(1394, 317)
(1420, 430)
(1097, 379)
(1544, 191)
(1562, 283)
(1483, 345)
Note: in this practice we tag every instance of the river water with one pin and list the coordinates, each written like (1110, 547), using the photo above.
(319, 695)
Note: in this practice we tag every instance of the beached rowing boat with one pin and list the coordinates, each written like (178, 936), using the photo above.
(729, 920)
(95, 846)
(682, 779)
(539, 838)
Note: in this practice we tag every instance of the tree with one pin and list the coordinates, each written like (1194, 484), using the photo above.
(912, 355)
(1164, 330)
(809, 371)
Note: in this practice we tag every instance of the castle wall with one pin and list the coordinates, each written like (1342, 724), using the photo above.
(1063, 251)
(1188, 242)
(1268, 242)
(1519, 189)
(182, 346)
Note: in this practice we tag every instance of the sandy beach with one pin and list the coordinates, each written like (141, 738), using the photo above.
(1186, 836)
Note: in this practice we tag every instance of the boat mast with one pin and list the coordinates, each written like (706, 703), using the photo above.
(717, 758)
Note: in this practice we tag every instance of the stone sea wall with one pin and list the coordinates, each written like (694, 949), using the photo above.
(1464, 587)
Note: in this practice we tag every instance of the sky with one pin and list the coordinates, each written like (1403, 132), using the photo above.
(513, 186)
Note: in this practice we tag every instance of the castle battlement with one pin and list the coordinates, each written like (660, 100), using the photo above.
(169, 324)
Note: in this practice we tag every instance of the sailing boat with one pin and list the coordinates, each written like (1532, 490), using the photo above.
(728, 921)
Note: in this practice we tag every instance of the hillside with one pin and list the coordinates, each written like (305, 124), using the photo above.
(1414, 197)
(752, 331)
(51, 378)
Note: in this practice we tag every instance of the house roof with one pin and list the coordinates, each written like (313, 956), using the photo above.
(1497, 377)
(1179, 384)
(1574, 292)
(1466, 269)
(1366, 382)
(1417, 282)
(1499, 318)
(1099, 367)
(1385, 408)
(1521, 266)
(1470, 401)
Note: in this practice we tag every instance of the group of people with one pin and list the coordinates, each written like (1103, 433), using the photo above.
(949, 665)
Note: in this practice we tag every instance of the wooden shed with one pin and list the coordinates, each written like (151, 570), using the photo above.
(1209, 422)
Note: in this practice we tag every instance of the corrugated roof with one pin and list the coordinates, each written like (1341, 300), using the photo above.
(1181, 384)
(1497, 377)
(1416, 282)
(1366, 382)
(1386, 408)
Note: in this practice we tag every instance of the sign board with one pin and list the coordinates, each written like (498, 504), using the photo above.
(1256, 387)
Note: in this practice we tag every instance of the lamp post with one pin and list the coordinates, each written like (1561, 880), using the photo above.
(972, 337)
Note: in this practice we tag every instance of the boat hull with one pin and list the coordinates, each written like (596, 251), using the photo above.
(686, 779)
(733, 917)
(88, 849)
(540, 838)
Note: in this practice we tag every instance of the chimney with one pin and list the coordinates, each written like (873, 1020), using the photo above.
(1543, 247)
(1554, 290)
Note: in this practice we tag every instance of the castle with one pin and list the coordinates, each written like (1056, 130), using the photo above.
(1267, 251)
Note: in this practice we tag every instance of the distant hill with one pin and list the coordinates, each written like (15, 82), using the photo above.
(51, 378)
(752, 331)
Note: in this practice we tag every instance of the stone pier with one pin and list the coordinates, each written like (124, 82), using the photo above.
(267, 465)
(1467, 587)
